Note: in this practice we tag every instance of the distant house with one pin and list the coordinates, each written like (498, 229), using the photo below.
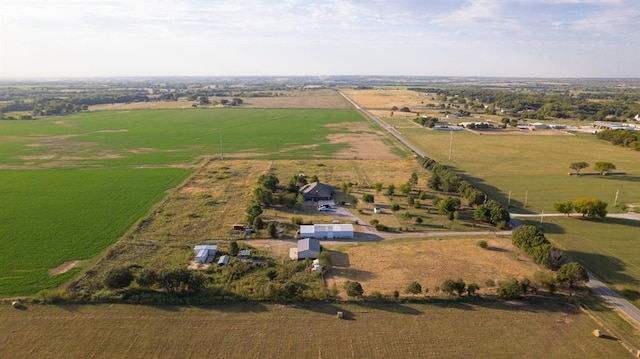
(316, 191)
(537, 126)
(452, 117)
(307, 248)
(328, 231)
(205, 253)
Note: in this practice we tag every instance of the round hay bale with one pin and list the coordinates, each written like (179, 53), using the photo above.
(340, 315)
(597, 333)
(16, 304)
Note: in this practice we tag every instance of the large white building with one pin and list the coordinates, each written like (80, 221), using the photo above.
(328, 231)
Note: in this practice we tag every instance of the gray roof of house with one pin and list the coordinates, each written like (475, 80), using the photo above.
(317, 189)
(309, 244)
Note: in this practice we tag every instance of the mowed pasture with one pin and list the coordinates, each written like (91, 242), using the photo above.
(71, 186)
(608, 247)
(534, 168)
(249, 330)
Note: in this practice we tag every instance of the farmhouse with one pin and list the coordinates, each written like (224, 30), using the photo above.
(537, 126)
(328, 231)
(316, 191)
(205, 253)
(612, 126)
(307, 248)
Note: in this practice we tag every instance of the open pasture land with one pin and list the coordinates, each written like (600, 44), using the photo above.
(391, 265)
(534, 164)
(441, 329)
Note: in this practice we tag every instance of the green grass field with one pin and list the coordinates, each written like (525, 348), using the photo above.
(444, 329)
(537, 165)
(71, 186)
(162, 137)
(48, 217)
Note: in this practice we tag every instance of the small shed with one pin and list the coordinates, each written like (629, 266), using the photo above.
(223, 260)
(238, 227)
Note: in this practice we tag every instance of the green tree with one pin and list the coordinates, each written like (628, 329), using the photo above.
(472, 288)
(272, 228)
(577, 166)
(546, 280)
(414, 288)
(118, 277)
(395, 207)
(368, 198)
(234, 249)
(269, 181)
(604, 167)
(258, 223)
(405, 188)
(572, 273)
(180, 280)
(391, 189)
(590, 207)
(262, 196)
(510, 290)
(413, 180)
(563, 207)
(448, 286)
(147, 278)
(314, 178)
(253, 210)
(378, 186)
(449, 205)
(527, 236)
(353, 289)
(460, 287)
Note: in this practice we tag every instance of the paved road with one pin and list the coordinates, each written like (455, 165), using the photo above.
(630, 311)
(386, 127)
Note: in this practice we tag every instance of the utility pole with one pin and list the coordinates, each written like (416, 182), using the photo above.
(450, 145)
(615, 201)
(526, 196)
(509, 200)
(221, 152)
(541, 217)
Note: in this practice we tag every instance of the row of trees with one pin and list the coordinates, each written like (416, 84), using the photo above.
(443, 179)
(533, 241)
(623, 138)
(177, 280)
(588, 207)
(542, 103)
(602, 167)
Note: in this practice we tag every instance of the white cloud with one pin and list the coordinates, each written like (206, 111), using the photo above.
(164, 37)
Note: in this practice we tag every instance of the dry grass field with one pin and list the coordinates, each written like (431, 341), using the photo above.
(441, 329)
(393, 264)
(320, 99)
(385, 99)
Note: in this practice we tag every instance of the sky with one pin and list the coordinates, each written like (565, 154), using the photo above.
(504, 38)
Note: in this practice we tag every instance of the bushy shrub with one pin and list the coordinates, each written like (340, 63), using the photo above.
(118, 277)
